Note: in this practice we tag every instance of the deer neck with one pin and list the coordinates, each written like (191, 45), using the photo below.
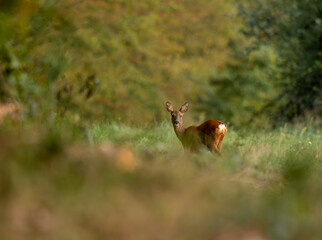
(179, 131)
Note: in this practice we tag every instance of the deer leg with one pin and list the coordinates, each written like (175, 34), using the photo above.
(216, 144)
(212, 145)
(209, 143)
(221, 139)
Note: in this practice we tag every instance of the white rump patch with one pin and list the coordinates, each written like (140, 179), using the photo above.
(222, 127)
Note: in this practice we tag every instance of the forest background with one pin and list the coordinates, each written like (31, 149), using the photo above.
(121, 60)
(87, 150)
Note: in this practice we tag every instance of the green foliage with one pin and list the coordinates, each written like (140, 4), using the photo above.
(294, 29)
(86, 154)
(244, 87)
(119, 59)
(124, 59)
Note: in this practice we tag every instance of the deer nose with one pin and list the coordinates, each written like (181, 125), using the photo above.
(176, 122)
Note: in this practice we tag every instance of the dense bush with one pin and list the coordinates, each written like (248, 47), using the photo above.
(294, 29)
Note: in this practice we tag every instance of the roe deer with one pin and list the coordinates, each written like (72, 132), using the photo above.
(210, 134)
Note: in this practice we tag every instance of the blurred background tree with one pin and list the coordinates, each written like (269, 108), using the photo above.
(138, 55)
(294, 29)
(238, 92)
(122, 59)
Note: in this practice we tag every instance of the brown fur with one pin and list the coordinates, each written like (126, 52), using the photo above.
(208, 134)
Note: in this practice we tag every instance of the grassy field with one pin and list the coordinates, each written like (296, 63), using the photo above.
(120, 182)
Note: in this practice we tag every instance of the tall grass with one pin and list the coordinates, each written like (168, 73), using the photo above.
(123, 182)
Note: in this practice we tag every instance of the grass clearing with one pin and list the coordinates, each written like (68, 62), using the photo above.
(125, 182)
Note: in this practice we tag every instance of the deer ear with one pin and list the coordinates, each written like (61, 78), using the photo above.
(169, 107)
(184, 108)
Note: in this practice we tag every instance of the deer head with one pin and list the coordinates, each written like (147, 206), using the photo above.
(176, 116)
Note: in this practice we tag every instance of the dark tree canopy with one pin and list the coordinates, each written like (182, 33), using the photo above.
(294, 29)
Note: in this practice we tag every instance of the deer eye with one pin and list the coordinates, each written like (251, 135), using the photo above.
(173, 115)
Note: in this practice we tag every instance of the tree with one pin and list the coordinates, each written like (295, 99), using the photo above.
(294, 29)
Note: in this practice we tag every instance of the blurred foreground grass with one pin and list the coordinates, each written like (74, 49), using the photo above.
(120, 182)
